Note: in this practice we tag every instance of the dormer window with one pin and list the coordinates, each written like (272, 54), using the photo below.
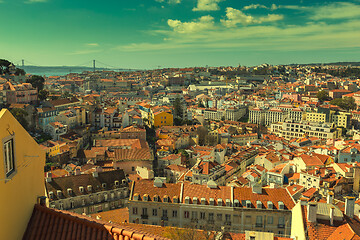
(187, 200)
(145, 198)
(203, 201)
(136, 197)
(248, 204)
(281, 205)
(219, 202)
(211, 201)
(51, 195)
(166, 198)
(103, 185)
(175, 200)
(195, 200)
(228, 203)
(89, 188)
(156, 198)
(236, 203)
(258, 204)
(270, 205)
(116, 183)
(69, 191)
(59, 193)
(81, 189)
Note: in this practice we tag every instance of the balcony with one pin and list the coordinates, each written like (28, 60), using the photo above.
(211, 221)
(227, 223)
(258, 225)
(164, 218)
(281, 225)
(144, 216)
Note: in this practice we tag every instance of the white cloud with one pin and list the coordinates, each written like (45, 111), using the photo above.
(36, 1)
(254, 6)
(169, 1)
(203, 23)
(312, 36)
(339, 10)
(92, 44)
(235, 17)
(207, 5)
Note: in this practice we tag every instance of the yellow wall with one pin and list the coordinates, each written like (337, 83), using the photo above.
(19, 194)
(297, 223)
(159, 119)
(53, 151)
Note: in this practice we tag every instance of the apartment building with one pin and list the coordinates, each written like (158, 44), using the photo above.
(88, 193)
(231, 114)
(291, 129)
(211, 207)
(273, 115)
(340, 119)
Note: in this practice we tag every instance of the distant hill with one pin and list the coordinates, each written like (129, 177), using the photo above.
(64, 69)
(326, 64)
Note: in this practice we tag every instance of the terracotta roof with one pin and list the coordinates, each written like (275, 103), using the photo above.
(83, 180)
(120, 215)
(133, 155)
(46, 223)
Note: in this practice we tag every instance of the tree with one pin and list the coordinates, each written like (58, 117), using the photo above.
(37, 82)
(178, 110)
(4, 66)
(43, 94)
(20, 115)
(322, 95)
(347, 103)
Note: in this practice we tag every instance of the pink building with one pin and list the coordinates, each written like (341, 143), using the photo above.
(21, 93)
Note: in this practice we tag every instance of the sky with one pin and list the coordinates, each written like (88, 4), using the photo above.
(148, 34)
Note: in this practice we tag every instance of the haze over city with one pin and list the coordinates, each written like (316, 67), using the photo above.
(177, 33)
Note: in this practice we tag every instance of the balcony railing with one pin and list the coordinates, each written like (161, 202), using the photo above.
(281, 225)
(144, 216)
(164, 218)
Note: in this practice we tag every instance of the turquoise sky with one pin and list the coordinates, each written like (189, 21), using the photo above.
(179, 33)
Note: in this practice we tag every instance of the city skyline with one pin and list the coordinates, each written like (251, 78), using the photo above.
(179, 33)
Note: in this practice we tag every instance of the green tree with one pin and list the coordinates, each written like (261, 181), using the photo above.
(322, 95)
(43, 94)
(37, 82)
(347, 103)
(4, 66)
(178, 110)
(20, 115)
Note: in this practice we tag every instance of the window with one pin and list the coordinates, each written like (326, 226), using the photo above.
(135, 210)
(144, 211)
(154, 212)
(281, 222)
(174, 214)
(202, 215)
(227, 217)
(186, 214)
(9, 157)
(219, 217)
(258, 221)
(164, 213)
(211, 216)
(270, 220)
(132, 168)
(193, 215)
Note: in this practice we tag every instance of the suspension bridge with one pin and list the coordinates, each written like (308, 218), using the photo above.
(93, 65)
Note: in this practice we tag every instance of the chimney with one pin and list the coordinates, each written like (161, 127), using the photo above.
(330, 197)
(349, 206)
(356, 186)
(48, 177)
(303, 201)
(312, 211)
(77, 171)
(42, 200)
(332, 210)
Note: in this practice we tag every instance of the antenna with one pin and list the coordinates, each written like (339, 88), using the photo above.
(94, 65)
(22, 63)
